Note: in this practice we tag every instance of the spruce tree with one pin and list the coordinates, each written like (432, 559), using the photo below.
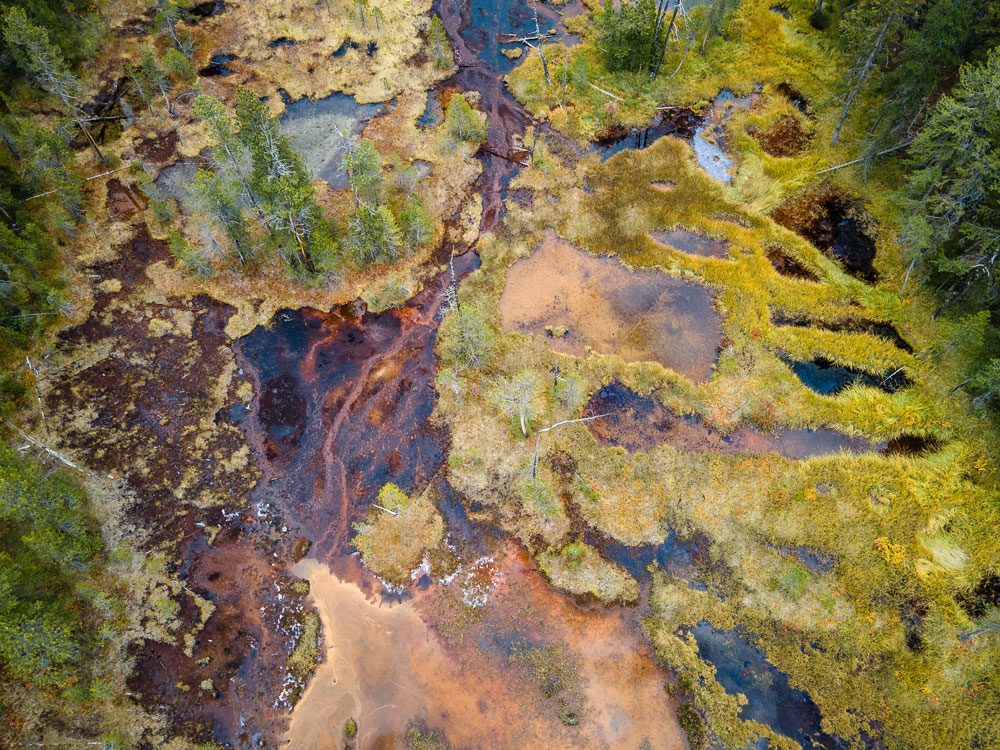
(363, 165)
(437, 40)
(279, 179)
(462, 122)
(956, 213)
(415, 224)
(39, 59)
(375, 236)
(220, 197)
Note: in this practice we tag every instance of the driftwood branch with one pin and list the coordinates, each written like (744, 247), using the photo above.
(603, 91)
(380, 507)
(858, 161)
(39, 444)
(538, 439)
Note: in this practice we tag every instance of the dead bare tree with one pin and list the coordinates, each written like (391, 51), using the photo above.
(538, 439)
(862, 77)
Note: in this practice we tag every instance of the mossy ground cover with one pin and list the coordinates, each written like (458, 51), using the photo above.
(874, 640)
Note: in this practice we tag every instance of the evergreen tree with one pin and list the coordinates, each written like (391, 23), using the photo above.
(220, 198)
(39, 59)
(150, 80)
(866, 30)
(42, 63)
(374, 235)
(279, 180)
(628, 32)
(462, 122)
(467, 339)
(223, 130)
(933, 44)
(167, 14)
(956, 157)
(47, 161)
(363, 165)
(415, 224)
(715, 18)
(67, 22)
(48, 545)
(437, 40)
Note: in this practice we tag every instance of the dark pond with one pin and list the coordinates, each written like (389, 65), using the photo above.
(206, 9)
(741, 667)
(835, 222)
(786, 265)
(682, 123)
(828, 379)
(217, 66)
(343, 407)
(638, 423)
(317, 124)
(692, 243)
(433, 113)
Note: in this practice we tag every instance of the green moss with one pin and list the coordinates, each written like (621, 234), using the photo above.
(792, 581)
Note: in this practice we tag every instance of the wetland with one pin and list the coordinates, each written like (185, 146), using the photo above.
(484, 373)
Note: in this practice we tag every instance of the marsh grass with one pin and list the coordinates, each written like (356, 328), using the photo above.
(901, 529)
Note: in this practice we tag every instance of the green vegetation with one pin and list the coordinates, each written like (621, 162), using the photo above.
(881, 637)
(580, 570)
(49, 603)
(440, 47)
(891, 104)
(792, 581)
(419, 738)
(350, 728)
(463, 123)
(468, 339)
(398, 532)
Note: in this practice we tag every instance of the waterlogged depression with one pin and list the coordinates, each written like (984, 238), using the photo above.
(532, 670)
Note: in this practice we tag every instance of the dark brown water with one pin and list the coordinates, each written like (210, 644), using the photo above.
(639, 424)
(692, 243)
(342, 408)
(478, 31)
